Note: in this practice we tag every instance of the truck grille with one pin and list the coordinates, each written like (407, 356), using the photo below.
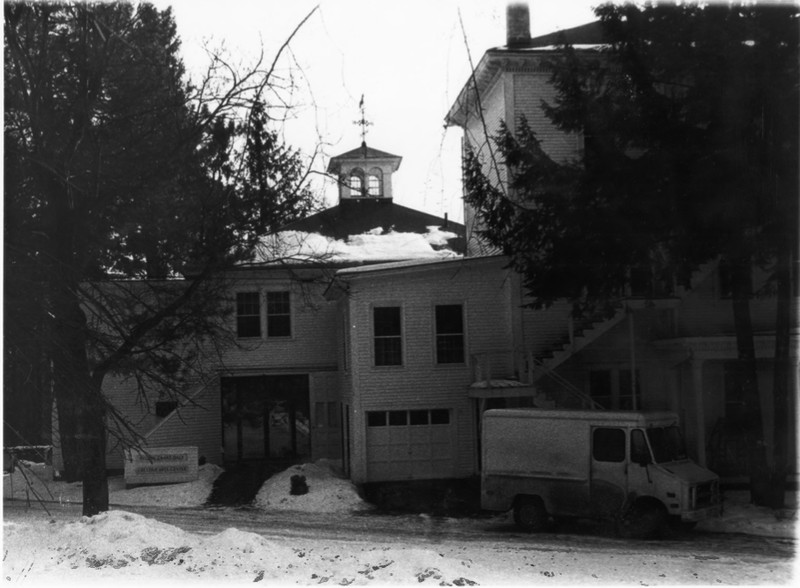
(706, 494)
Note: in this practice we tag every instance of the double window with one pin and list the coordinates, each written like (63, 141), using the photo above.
(448, 337)
(388, 336)
(278, 314)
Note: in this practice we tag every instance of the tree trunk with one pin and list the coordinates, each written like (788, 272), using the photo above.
(69, 376)
(95, 482)
(81, 405)
(782, 382)
(752, 427)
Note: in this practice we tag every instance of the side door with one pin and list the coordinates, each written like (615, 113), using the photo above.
(608, 484)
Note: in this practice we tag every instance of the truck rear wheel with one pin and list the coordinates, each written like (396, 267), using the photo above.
(530, 514)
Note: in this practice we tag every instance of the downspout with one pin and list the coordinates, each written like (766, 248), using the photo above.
(632, 345)
(697, 389)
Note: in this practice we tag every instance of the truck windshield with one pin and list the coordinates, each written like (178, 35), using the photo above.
(667, 443)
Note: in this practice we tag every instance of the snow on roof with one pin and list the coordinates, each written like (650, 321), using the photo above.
(412, 263)
(372, 246)
(579, 47)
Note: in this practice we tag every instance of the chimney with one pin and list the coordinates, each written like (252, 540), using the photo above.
(518, 24)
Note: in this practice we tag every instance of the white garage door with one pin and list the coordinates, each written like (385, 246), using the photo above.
(409, 445)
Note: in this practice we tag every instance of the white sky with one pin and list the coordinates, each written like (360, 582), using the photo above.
(408, 58)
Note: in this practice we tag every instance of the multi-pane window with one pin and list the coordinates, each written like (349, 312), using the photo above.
(279, 315)
(248, 314)
(449, 334)
(388, 335)
(374, 183)
(356, 183)
(400, 418)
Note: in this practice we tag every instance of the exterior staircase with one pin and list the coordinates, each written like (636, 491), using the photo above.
(577, 340)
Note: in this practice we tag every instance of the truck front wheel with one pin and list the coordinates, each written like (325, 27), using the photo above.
(644, 520)
(530, 514)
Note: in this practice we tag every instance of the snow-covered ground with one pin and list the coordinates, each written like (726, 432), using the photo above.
(127, 547)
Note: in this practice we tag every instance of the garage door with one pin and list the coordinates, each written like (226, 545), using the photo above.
(410, 445)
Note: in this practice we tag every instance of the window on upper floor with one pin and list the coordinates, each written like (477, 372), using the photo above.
(248, 314)
(279, 314)
(375, 182)
(387, 329)
(449, 333)
(615, 389)
(356, 183)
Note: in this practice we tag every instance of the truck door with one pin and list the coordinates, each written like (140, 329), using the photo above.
(609, 470)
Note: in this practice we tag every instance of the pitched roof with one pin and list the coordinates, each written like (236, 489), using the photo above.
(362, 152)
(358, 216)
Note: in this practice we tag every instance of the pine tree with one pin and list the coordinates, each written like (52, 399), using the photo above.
(690, 125)
(124, 204)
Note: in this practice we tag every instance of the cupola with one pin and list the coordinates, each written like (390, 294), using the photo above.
(364, 173)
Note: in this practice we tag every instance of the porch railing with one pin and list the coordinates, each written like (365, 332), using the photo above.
(494, 368)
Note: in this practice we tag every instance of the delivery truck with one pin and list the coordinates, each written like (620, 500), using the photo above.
(627, 467)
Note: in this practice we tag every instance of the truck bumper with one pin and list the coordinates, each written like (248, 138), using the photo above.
(702, 513)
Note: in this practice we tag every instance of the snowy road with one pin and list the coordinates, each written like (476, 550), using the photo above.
(477, 533)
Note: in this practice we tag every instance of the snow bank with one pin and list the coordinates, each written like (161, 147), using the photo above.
(124, 548)
(740, 516)
(375, 245)
(30, 480)
(328, 490)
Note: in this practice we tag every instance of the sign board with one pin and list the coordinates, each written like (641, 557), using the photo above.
(161, 465)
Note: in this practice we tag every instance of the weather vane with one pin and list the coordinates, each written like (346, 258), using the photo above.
(364, 123)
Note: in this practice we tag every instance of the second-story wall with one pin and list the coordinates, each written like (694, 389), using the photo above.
(310, 342)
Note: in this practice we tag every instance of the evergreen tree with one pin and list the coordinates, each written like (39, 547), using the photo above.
(690, 127)
(123, 204)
